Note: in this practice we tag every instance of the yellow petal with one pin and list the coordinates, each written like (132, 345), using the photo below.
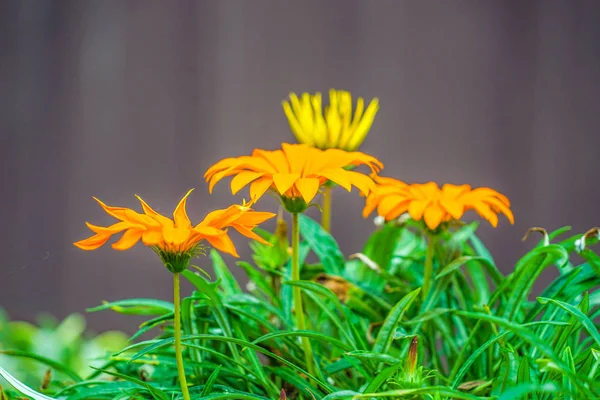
(283, 182)
(242, 179)
(365, 124)
(295, 125)
(115, 228)
(308, 188)
(180, 215)
(128, 240)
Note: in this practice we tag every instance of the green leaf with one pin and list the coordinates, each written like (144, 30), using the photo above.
(22, 388)
(44, 360)
(136, 307)
(322, 244)
(575, 312)
(410, 393)
(519, 391)
(386, 333)
(519, 283)
(228, 283)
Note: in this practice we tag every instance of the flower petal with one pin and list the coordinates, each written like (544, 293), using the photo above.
(152, 237)
(94, 242)
(259, 187)
(176, 236)
(128, 240)
(434, 215)
(308, 188)
(180, 215)
(283, 182)
(153, 214)
(338, 176)
(223, 243)
(417, 208)
(242, 179)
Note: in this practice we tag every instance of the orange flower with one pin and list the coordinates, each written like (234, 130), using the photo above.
(177, 235)
(295, 172)
(434, 205)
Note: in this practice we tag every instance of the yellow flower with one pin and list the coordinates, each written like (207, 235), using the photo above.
(175, 236)
(295, 173)
(434, 205)
(338, 128)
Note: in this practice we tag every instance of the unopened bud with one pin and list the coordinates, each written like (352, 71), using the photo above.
(410, 365)
(282, 395)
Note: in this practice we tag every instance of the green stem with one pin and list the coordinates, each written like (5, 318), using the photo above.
(428, 270)
(177, 334)
(297, 294)
(326, 216)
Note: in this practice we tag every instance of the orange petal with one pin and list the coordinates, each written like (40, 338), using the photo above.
(259, 187)
(94, 242)
(296, 155)
(498, 204)
(276, 160)
(223, 243)
(388, 203)
(242, 179)
(153, 214)
(370, 205)
(249, 234)
(152, 237)
(453, 207)
(361, 181)
(338, 176)
(208, 231)
(433, 216)
(284, 181)
(254, 218)
(308, 188)
(176, 236)
(115, 228)
(179, 215)
(128, 240)
(486, 212)
(417, 208)
(400, 209)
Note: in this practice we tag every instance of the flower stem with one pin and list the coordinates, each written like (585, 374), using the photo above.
(177, 334)
(326, 216)
(428, 270)
(297, 294)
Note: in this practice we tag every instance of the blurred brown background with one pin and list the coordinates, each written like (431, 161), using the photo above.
(111, 98)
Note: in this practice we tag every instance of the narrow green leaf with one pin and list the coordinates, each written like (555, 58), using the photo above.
(210, 381)
(581, 317)
(136, 307)
(22, 388)
(228, 283)
(386, 333)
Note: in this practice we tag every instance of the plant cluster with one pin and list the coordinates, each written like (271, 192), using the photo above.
(420, 312)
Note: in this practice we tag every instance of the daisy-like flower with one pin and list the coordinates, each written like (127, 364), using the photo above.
(433, 204)
(175, 240)
(295, 173)
(339, 127)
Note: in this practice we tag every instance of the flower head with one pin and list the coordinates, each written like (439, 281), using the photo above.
(434, 205)
(338, 128)
(296, 172)
(174, 238)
